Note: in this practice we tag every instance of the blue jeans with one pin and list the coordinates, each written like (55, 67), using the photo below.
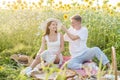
(89, 54)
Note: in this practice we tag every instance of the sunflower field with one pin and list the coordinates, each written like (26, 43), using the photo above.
(20, 31)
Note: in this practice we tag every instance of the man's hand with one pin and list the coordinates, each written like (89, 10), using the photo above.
(71, 36)
(64, 28)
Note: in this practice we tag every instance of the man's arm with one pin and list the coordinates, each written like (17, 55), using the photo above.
(71, 36)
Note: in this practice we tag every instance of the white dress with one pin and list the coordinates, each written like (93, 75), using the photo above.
(49, 55)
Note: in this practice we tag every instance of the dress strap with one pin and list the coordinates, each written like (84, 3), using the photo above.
(59, 36)
(46, 38)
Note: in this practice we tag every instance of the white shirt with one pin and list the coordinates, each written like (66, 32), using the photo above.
(77, 47)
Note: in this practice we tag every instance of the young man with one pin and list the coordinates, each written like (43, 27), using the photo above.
(77, 36)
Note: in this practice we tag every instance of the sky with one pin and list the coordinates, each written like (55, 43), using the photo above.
(113, 2)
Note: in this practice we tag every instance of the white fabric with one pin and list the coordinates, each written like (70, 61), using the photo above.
(44, 24)
(49, 55)
(27, 71)
(77, 47)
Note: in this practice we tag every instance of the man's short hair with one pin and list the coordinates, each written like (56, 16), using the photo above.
(77, 17)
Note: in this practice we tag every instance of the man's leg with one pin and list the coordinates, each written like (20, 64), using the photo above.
(76, 63)
(96, 52)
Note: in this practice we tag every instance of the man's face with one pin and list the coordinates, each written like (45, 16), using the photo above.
(74, 23)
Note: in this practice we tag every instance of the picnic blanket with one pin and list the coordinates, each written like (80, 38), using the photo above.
(68, 72)
(83, 72)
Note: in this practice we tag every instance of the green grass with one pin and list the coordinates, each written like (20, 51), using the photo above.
(20, 34)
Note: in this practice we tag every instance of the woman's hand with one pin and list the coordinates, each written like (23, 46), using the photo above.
(37, 57)
(57, 53)
(64, 28)
(57, 58)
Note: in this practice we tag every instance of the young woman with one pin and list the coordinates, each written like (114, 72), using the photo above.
(55, 45)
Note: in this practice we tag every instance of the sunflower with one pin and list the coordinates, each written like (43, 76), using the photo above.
(118, 4)
(25, 3)
(79, 7)
(39, 3)
(19, 1)
(86, 0)
(111, 13)
(30, 7)
(8, 5)
(104, 6)
(110, 5)
(90, 3)
(15, 7)
(60, 2)
(33, 3)
(88, 6)
(94, 8)
(51, 0)
(93, 0)
(98, 7)
(114, 7)
(23, 7)
(65, 16)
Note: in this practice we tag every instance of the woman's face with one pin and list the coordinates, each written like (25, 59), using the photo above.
(53, 26)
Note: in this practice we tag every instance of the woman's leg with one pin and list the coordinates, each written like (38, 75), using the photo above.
(29, 69)
(38, 58)
(35, 61)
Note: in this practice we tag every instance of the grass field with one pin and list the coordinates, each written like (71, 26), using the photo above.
(20, 32)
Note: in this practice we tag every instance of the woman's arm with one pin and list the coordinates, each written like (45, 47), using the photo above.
(42, 48)
(61, 44)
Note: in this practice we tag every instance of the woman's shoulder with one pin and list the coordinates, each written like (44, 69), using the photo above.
(44, 37)
(60, 34)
